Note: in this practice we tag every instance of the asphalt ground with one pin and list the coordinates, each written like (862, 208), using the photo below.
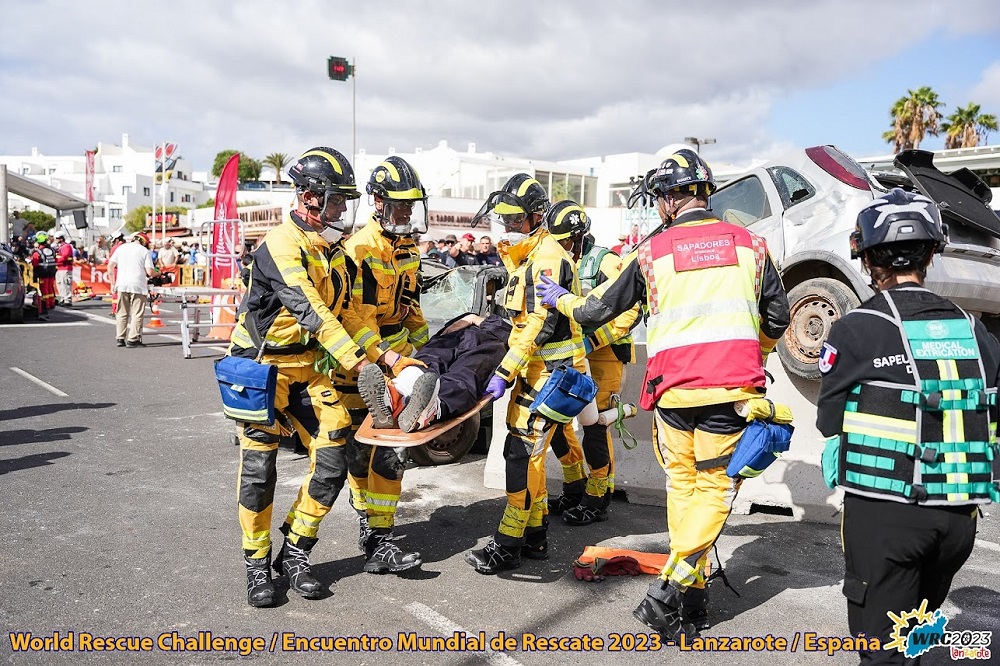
(118, 487)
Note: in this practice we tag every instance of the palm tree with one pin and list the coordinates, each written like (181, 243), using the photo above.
(277, 161)
(914, 117)
(967, 127)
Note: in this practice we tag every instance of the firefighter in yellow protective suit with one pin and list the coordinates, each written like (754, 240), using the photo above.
(716, 309)
(299, 287)
(540, 340)
(608, 348)
(386, 299)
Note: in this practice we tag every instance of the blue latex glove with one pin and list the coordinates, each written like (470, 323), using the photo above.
(549, 292)
(496, 388)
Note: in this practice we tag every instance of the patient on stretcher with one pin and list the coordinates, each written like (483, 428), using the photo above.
(459, 360)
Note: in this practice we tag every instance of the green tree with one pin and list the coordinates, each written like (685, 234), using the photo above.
(43, 221)
(277, 161)
(913, 117)
(966, 127)
(559, 191)
(249, 167)
(135, 219)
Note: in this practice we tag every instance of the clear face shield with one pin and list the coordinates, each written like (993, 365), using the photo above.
(508, 211)
(404, 217)
(336, 216)
(645, 191)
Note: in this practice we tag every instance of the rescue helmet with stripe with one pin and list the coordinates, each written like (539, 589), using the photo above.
(521, 197)
(568, 223)
(326, 173)
(684, 172)
(898, 229)
(401, 200)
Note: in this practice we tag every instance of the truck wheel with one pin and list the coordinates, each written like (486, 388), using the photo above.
(814, 304)
(449, 447)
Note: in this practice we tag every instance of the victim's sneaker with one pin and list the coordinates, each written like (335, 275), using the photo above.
(422, 407)
(381, 398)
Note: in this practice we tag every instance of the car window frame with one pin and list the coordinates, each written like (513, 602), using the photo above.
(741, 220)
(785, 195)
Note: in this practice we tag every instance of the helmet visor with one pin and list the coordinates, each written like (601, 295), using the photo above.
(336, 211)
(504, 209)
(645, 191)
(404, 217)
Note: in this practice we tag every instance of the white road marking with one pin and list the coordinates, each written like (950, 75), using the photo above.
(97, 317)
(447, 628)
(48, 387)
(192, 416)
(46, 324)
(988, 545)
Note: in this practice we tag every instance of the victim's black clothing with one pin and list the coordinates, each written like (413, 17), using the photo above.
(465, 360)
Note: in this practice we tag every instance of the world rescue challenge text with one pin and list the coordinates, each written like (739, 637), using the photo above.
(207, 641)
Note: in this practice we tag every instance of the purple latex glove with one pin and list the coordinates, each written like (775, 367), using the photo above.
(496, 388)
(549, 292)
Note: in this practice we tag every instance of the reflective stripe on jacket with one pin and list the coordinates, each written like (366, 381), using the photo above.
(386, 290)
(299, 289)
(539, 334)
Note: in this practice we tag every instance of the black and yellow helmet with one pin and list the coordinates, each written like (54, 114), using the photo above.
(324, 171)
(520, 198)
(684, 171)
(395, 179)
(567, 219)
(404, 200)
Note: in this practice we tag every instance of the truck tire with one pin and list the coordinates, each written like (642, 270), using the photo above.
(449, 447)
(814, 305)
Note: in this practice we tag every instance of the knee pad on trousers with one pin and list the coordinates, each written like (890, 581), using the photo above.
(595, 446)
(258, 476)
(387, 464)
(358, 458)
(260, 435)
(329, 476)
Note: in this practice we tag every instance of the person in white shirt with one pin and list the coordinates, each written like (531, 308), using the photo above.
(134, 267)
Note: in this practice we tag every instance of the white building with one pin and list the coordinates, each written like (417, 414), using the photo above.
(123, 180)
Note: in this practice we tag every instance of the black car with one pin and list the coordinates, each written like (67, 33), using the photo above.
(12, 288)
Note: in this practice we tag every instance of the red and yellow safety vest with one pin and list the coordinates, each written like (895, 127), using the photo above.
(704, 280)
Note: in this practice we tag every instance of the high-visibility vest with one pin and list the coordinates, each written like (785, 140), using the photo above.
(46, 267)
(932, 441)
(703, 283)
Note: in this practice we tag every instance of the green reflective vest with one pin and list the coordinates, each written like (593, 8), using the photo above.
(930, 442)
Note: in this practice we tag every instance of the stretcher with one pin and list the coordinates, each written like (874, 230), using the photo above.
(396, 438)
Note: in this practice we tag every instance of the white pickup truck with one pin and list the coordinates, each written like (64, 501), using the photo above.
(805, 205)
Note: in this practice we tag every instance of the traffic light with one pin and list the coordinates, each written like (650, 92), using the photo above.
(338, 68)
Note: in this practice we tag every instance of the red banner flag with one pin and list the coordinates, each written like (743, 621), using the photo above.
(89, 184)
(224, 236)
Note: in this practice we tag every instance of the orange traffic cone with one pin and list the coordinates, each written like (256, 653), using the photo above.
(155, 322)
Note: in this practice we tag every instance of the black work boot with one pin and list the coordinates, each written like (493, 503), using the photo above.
(493, 558)
(590, 510)
(260, 589)
(294, 562)
(572, 495)
(536, 543)
(383, 556)
(660, 610)
(695, 608)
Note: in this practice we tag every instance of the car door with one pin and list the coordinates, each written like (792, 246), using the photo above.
(753, 202)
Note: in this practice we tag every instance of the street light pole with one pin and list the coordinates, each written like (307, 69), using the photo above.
(698, 143)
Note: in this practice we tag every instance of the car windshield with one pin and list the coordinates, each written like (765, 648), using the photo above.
(448, 296)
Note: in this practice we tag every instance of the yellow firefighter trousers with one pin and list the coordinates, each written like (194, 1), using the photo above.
(524, 451)
(698, 501)
(608, 372)
(309, 402)
(375, 473)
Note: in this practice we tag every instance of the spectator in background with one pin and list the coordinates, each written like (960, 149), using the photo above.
(461, 251)
(20, 225)
(64, 269)
(77, 254)
(132, 266)
(621, 248)
(445, 247)
(167, 258)
(633, 238)
(486, 254)
(98, 252)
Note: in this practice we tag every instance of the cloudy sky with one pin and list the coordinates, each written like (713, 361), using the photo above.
(551, 80)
